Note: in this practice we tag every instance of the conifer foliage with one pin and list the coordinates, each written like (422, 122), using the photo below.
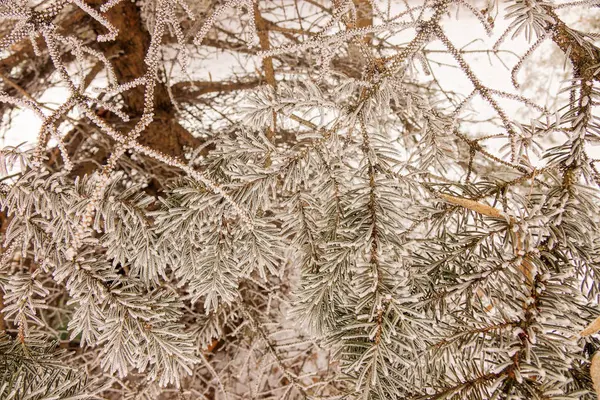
(260, 199)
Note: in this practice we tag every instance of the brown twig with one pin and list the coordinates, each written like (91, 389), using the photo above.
(472, 205)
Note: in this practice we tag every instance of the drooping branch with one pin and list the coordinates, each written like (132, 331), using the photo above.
(187, 91)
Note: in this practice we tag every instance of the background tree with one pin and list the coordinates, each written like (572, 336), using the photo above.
(263, 199)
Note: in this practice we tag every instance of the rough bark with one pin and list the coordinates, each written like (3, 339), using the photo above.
(128, 53)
